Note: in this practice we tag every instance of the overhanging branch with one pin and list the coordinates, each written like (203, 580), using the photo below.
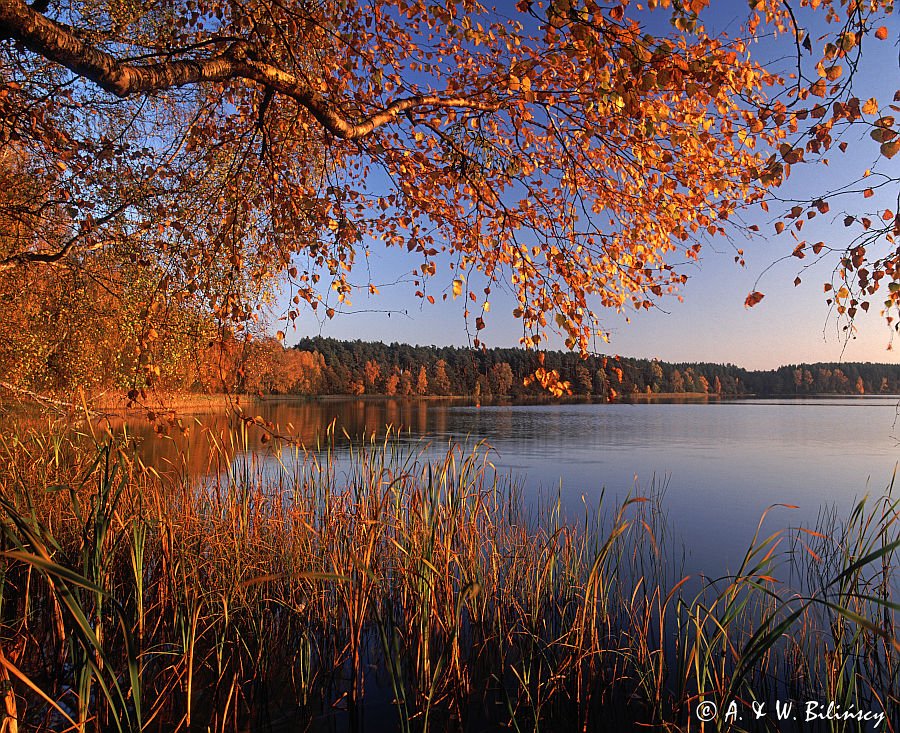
(44, 37)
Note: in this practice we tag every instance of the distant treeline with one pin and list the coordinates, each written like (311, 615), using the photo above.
(331, 366)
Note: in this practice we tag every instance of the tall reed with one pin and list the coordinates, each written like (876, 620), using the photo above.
(404, 588)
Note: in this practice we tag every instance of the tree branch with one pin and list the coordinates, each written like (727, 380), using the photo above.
(50, 257)
(56, 43)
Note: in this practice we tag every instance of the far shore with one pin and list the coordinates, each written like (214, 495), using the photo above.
(119, 403)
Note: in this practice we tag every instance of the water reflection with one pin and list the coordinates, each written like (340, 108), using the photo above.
(722, 464)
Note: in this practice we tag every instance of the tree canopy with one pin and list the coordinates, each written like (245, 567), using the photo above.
(574, 151)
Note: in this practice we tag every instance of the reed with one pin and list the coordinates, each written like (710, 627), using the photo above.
(404, 588)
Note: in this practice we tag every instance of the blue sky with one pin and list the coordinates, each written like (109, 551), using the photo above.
(791, 324)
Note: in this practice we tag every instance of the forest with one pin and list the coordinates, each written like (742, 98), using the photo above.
(329, 366)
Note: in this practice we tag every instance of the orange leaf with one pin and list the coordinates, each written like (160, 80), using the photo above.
(753, 299)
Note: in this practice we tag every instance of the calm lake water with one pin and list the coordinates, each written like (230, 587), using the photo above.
(722, 463)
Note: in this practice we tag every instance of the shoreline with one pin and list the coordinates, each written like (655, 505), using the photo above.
(200, 403)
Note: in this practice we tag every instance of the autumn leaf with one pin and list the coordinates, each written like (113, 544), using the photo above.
(889, 149)
(753, 299)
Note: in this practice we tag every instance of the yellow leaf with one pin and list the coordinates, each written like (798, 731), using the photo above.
(870, 107)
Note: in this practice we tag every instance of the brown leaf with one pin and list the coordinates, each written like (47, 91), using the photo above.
(753, 299)
(889, 149)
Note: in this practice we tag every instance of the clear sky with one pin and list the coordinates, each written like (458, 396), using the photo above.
(790, 325)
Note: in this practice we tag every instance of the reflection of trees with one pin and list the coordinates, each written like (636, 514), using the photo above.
(306, 422)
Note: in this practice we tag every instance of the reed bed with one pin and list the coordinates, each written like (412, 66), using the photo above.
(394, 590)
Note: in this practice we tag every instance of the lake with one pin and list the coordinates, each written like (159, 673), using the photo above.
(721, 463)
